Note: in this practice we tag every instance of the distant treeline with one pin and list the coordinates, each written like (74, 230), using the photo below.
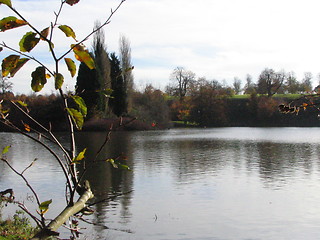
(154, 109)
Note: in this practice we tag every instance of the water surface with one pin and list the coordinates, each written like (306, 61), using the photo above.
(188, 184)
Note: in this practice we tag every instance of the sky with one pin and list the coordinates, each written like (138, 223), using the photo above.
(214, 39)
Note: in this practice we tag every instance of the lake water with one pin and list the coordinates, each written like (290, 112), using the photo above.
(189, 184)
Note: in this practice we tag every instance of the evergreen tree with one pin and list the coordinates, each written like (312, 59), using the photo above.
(87, 87)
(118, 102)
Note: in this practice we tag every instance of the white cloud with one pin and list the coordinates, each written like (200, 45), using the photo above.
(213, 38)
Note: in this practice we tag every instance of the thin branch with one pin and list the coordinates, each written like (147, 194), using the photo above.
(13, 127)
(3, 44)
(28, 185)
(94, 31)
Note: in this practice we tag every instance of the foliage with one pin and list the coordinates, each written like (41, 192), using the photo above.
(182, 81)
(73, 106)
(118, 102)
(150, 107)
(17, 228)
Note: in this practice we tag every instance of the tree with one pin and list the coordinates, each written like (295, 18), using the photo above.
(126, 70)
(270, 81)
(118, 100)
(93, 84)
(208, 105)
(306, 84)
(5, 84)
(182, 80)
(237, 85)
(249, 87)
(103, 67)
(292, 85)
(74, 109)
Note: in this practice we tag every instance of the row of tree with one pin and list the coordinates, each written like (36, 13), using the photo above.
(269, 82)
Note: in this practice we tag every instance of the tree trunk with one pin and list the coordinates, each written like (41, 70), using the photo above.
(69, 211)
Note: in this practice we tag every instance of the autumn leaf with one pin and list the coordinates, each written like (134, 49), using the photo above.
(6, 2)
(27, 127)
(58, 80)
(28, 42)
(71, 66)
(8, 64)
(19, 65)
(10, 23)
(38, 79)
(12, 64)
(68, 31)
(83, 55)
(72, 2)
(44, 33)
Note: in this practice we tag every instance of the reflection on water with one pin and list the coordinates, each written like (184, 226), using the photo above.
(225, 183)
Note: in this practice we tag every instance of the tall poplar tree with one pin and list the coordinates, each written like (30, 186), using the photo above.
(126, 68)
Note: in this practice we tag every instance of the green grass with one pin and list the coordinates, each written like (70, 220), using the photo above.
(17, 228)
(288, 96)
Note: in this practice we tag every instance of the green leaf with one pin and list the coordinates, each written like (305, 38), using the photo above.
(80, 157)
(71, 2)
(68, 31)
(124, 167)
(23, 104)
(44, 206)
(107, 92)
(28, 42)
(10, 23)
(38, 79)
(71, 66)
(81, 104)
(83, 55)
(6, 149)
(76, 117)
(112, 162)
(6, 2)
(58, 80)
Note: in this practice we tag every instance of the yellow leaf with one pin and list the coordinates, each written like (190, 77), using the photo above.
(83, 55)
(71, 66)
(68, 31)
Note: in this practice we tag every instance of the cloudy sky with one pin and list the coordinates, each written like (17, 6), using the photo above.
(213, 38)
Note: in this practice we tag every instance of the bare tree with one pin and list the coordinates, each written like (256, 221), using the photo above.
(182, 79)
(5, 84)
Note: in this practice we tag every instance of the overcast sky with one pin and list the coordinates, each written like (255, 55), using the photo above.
(216, 39)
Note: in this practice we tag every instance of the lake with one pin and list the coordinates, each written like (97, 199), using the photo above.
(187, 184)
